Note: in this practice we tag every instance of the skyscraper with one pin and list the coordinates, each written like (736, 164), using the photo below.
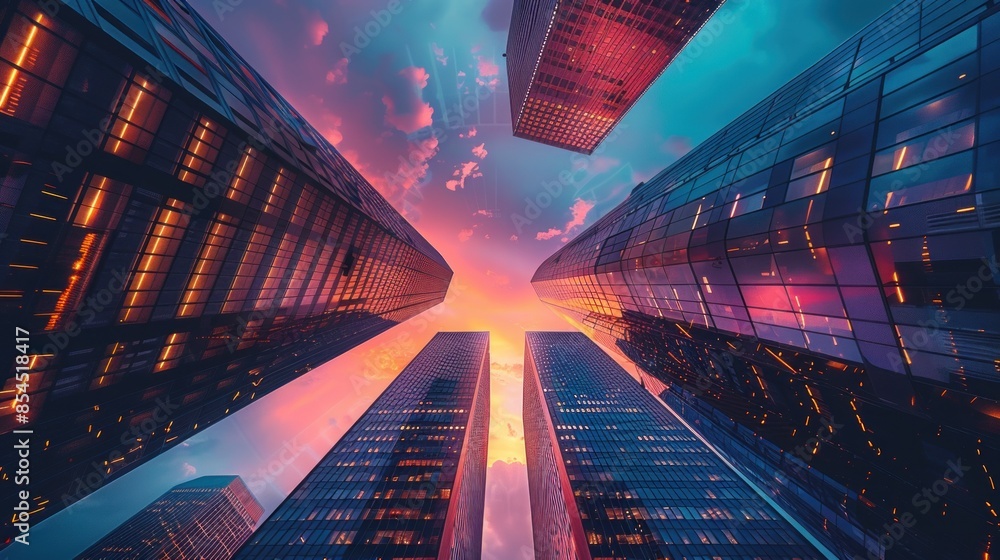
(206, 518)
(170, 261)
(612, 474)
(815, 286)
(408, 480)
(576, 68)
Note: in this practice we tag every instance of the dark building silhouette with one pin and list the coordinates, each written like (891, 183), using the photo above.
(576, 68)
(207, 518)
(613, 474)
(815, 286)
(408, 480)
(178, 241)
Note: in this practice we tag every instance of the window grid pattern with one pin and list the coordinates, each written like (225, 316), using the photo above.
(596, 58)
(208, 517)
(129, 249)
(407, 481)
(805, 263)
(643, 485)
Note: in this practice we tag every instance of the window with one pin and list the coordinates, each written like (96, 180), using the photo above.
(942, 178)
(206, 269)
(199, 154)
(173, 350)
(154, 263)
(34, 63)
(246, 176)
(138, 114)
(247, 271)
(926, 148)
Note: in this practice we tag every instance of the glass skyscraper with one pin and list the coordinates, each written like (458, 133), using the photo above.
(207, 518)
(577, 67)
(408, 480)
(177, 240)
(815, 286)
(613, 474)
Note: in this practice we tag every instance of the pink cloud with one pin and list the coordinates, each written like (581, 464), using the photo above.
(469, 169)
(465, 235)
(488, 71)
(546, 235)
(439, 54)
(507, 531)
(316, 30)
(405, 108)
(480, 151)
(189, 469)
(339, 73)
(676, 146)
(578, 211)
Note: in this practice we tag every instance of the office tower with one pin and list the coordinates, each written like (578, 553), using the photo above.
(613, 474)
(815, 286)
(575, 68)
(178, 240)
(408, 480)
(206, 518)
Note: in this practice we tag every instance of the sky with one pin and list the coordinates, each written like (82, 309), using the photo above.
(414, 94)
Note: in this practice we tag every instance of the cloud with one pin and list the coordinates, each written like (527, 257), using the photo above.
(189, 469)
(338, 75)
(480, 151)
(507, 522)
(465, 235)
(316, 30)
(406, 109)
(497, 14)
(488, 72)
(546, 235)
(676, 146)
(497, 278)
(439, 54)
(469, 169)
(578, 211)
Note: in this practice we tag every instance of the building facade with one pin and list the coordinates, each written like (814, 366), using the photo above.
(816, 286)
(613, 474)
(408, 480)
(206, 518)
(576, 67)
(177, 240)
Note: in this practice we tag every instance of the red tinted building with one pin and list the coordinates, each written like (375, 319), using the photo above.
(576, 67)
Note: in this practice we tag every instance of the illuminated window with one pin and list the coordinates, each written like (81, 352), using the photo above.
(154, 263)
(173, 350)
(34, 63)
(99, 210)
(209, 263)
(278, 195)
(138, 114)
(245, 178)
(277, 272)
(199, 154)
(102, 204)
(247, 271)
